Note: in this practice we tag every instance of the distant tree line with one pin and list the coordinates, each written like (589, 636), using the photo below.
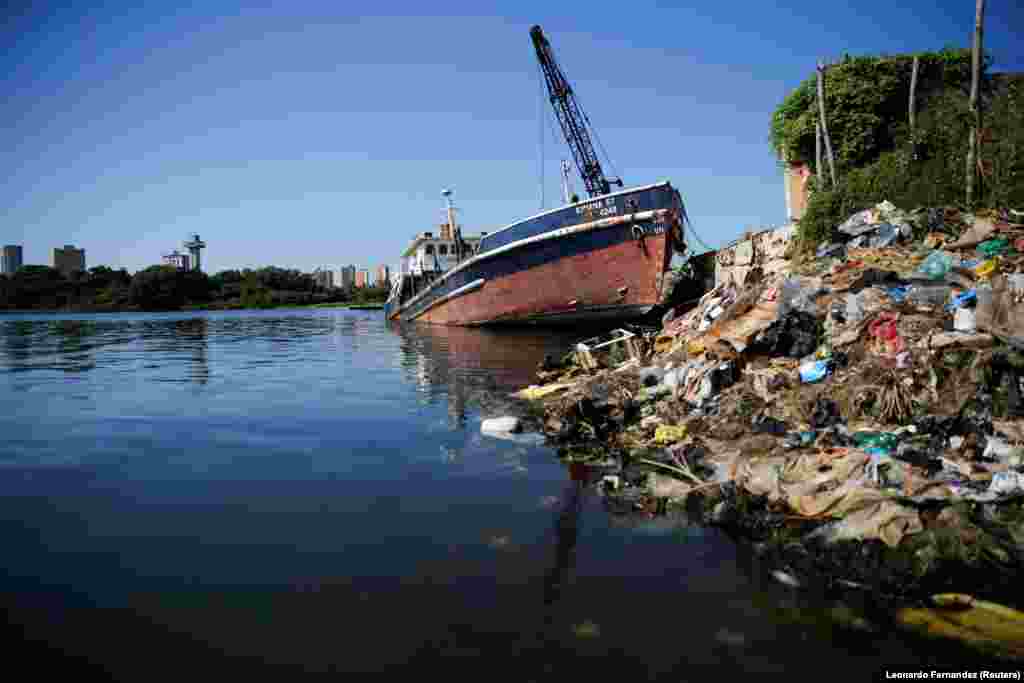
(166, 288)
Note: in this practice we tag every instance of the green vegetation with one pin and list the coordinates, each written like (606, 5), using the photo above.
(42, 287)
(166, 288)
(866, 101)
(163, 288)
(370, 295)
(878, 158)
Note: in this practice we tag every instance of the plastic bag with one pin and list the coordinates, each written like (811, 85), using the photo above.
(813, 371)
(886, 334)
(793, 335)
(996, 247)
(936, 265)
(880, 440)
(858, 223)
(1016, 282)
(669, 433)
(676, 378)
(929, 295)
(987, 268)
(825, 414)
(651, 376)
(854, 308)
(897, 294)
(1007, 483)
(830, 249)
(965, 320)
(966, 300)
(888, 234)
(799, 439)
(795, 296)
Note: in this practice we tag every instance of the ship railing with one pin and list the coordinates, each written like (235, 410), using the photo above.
(396, 288)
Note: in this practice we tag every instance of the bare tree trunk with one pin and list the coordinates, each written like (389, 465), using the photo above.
(913, 99)
(818, 170)
(972, 142)
(824, 125)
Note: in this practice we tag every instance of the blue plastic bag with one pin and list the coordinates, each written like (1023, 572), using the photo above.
(964, 300)
(813, 371)
(897, 294)
(936, 265)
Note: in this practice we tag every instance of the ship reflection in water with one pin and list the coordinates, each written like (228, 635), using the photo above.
(475, 368)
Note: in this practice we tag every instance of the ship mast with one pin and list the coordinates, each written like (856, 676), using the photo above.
(575, 124)
(454, 233)
(567, 192)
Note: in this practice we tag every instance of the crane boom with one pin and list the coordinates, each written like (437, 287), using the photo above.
(571, 118)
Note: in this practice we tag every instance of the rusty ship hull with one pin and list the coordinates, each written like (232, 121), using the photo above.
(596, 260)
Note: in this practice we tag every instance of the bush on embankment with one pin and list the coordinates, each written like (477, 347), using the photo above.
(878, 158)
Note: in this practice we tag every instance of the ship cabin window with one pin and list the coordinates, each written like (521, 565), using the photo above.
(430, 249)
(443, 250)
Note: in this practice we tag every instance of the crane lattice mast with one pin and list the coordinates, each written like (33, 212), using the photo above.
(571, 118)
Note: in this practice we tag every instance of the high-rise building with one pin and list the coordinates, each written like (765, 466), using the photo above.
(348, 277)
(69, 259)
(383, 276)
(362, 278)
(324, 278)
(12, 259)
(177, 259)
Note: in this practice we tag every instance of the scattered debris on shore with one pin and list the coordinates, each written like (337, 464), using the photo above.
(856, 413)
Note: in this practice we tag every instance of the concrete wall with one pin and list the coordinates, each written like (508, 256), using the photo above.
(796, 174)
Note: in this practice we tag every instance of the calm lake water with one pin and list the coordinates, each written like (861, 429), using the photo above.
(307, 492)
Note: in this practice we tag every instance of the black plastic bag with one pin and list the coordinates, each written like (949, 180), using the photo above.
(874, 277)
(794, 336)
(825, 414)
(769, 425)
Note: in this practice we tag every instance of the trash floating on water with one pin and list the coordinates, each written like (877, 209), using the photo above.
(788, 579)
(500, 424)
(586, 629)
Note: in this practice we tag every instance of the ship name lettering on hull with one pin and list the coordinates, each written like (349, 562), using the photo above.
(600, 208)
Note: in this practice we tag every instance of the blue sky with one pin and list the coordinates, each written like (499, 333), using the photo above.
(307, 134)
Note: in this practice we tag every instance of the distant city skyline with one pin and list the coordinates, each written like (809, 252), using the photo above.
(67, 256)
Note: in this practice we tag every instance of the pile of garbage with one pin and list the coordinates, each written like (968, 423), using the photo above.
(863, 405)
